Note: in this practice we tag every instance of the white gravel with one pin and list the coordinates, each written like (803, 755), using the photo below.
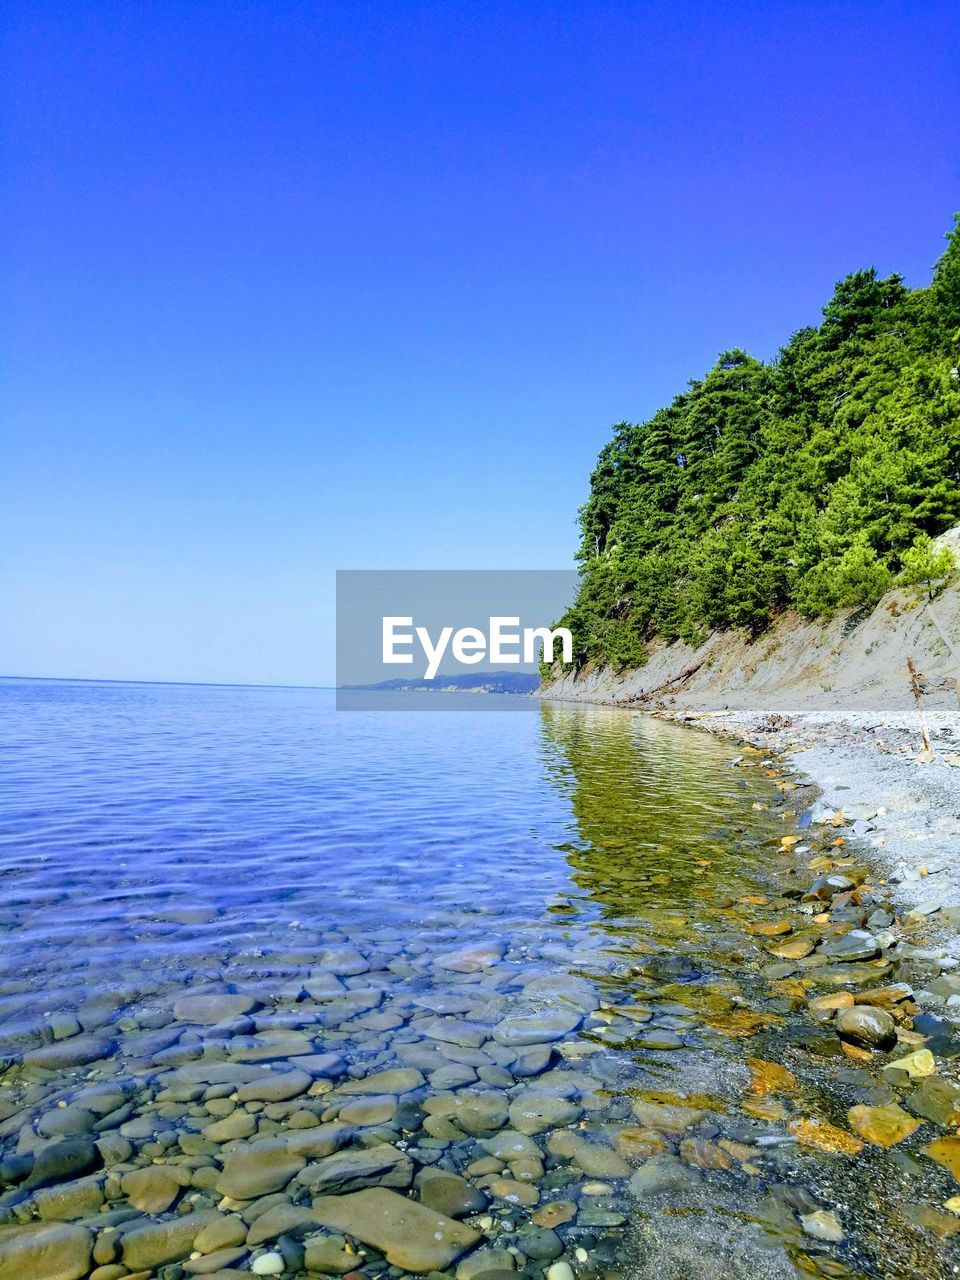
(899, 808)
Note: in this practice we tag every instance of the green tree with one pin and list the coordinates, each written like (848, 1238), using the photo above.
(808, 483)
(927, 565)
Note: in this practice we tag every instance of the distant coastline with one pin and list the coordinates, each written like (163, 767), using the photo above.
(522, 683)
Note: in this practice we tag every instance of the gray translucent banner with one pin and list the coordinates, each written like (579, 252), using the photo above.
(447, 639)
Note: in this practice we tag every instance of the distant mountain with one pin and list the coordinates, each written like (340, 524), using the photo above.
(521, 682)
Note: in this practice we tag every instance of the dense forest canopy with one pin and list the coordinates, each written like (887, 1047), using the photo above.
(811, 483)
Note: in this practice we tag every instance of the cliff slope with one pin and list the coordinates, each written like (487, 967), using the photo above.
(856, 661)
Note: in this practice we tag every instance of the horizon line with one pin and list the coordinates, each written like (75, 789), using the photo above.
(196, 684)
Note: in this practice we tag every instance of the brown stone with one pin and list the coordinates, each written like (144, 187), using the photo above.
(58, 1251)
(946, 1151)
(811, 1132)
(882, 1126)
(556, 1213)
(412, 1236)
(770, 1077)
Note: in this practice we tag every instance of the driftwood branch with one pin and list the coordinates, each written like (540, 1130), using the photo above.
(917, 690)
(677, 679)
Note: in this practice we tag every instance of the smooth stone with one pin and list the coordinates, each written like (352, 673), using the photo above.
(223, 1232)
(637, 1143)
(152, 1189)
(824, 887)
(411, 1236)
(936, 1099)
(345, 962)
(66, 1158)
(882, 1126)
(659, 1038)
(61, 1122)
(258, 1168)
(528, 1273)
(214, 1264)
(542, 1244)
(471, 959)
(466, 1056)
(825, 1007)
(372, 1109)
(590, 1217)
(793, 948)
(560, 1271)
(279, 1220)
(925, 1216)
(479, 1111)
(441, 1130)
(14, 1168)
(555, 1213)
(275, 1086)
(395, 1080)
(451, 1195)
(946, 1151)
(526, 1170)
(917, 1065)
(157, 1243)
(662, 1173)
(867, 1026)
(319, 1141)
(855, 974)
(595, 1159)
(532, 1112)
(469, 1035)
(811, 1131)
(536, 1028)
(496, 1077)
(323, 986)
(701, 1154)
(666, 1117)
(513, 1191)
(323, 1065)
(531, 1061)
(68, 1201)
(63, 1055)
(323, 1254)
(822, 1225)
(58, 1251)
(268, 1264)
(454, 1076)
(212, 1008)
(855, 945)
(563, 990)
(271, 1047)
(238, 1124)
(445, 1002)
(188, 1080)
(485, 1261)
(356, 1168)
(509, 1145)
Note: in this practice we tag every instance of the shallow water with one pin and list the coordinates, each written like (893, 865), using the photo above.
(386, 891)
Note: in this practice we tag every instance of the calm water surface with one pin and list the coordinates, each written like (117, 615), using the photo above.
(535, 918)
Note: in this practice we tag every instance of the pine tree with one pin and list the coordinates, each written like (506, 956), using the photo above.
(807, 483)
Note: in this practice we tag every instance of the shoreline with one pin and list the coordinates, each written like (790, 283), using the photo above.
(834, 699)
(894, 808)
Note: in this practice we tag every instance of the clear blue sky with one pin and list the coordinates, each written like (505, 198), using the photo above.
(292, 287)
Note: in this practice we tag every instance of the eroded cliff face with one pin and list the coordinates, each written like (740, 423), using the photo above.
(855, 660)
